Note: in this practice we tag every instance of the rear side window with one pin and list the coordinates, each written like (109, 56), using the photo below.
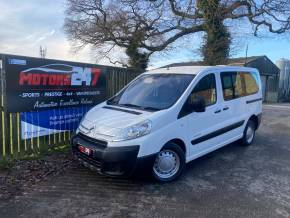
(251, 84)
(238, 84)
(205, 88)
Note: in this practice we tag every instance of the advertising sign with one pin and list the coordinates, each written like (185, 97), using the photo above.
(35, 84)
(34, 124)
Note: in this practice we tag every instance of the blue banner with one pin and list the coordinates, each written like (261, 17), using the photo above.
(34, 124)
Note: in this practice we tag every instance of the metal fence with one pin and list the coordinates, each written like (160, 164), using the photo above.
(12, 146)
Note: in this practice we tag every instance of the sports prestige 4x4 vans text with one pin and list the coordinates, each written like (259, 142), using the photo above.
(167, 117)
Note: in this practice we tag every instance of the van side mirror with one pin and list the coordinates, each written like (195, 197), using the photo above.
(198, 105)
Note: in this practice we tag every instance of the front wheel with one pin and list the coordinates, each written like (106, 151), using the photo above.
(249, 133)
(169, 163)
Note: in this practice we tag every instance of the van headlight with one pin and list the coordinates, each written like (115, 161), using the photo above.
(135, 131)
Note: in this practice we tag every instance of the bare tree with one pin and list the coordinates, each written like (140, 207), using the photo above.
(141, 27)
(264, 15)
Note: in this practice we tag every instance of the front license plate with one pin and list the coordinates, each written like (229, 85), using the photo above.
(85, 150)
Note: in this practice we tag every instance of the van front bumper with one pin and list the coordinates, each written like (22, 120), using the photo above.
(111, 161)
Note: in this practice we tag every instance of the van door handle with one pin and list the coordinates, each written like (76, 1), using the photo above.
(217, 111)
(226, 108)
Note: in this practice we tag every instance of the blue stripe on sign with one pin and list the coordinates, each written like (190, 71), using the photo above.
(62, 119)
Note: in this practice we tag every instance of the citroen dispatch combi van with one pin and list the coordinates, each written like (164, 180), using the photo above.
(168, 117)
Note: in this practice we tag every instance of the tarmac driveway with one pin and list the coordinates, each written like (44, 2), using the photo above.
(234, 181)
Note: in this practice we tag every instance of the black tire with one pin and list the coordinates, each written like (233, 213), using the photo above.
(174, 149)
(246, 140)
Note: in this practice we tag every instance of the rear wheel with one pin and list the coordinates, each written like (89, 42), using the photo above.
(249, 133)
(169, 163)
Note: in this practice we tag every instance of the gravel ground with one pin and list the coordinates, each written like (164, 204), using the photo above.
(22, 174)
(234, 181)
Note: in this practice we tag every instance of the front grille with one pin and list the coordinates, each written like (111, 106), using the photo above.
(96, 142)
(87, 159)
(98, 146)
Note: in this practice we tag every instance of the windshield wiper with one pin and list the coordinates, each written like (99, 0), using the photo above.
(151, 108)
(130, 105)
(139, 107)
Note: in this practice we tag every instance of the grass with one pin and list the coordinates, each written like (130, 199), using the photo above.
(6, 163)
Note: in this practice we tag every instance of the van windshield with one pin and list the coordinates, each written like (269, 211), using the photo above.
(153, 91)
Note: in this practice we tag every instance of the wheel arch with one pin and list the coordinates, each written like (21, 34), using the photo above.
(255, 119)
(178, 142)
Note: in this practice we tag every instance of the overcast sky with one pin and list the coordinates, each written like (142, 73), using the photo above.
(25, 25)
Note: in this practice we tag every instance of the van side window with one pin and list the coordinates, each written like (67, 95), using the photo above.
(227, 84)
(251, 84)
(205, 88)
(238, 84)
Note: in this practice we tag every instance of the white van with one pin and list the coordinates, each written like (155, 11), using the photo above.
(168, 117)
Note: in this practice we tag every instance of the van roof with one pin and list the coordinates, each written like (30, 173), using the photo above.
(198, 69)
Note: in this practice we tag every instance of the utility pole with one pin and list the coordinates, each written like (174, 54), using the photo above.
(246, 54)
(42, 52)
